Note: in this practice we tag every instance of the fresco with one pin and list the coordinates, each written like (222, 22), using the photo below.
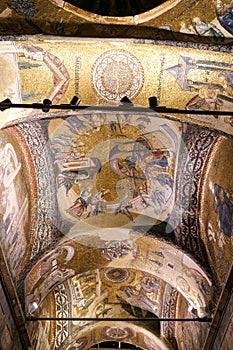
(71, 17)
(49, 272)
(116, 210)
(93, 294)
(112, 64)
(158, 260)
(41, 332)
(97, 292)
(59, 72)
(139, 161)
(193, 335)
(202, 77)
(176, 268)
(10, 82)
(126, 333)
(216, 224)
(15, 205)
(146, 297)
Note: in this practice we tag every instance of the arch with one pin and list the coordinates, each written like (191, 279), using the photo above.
(136, 19)
(143, 253)
(118, 331)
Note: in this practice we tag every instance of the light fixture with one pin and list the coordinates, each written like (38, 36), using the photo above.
(74, 102)
(153, 102)
(7, 102)
(125, 99)
(46, 103)
(125, 104)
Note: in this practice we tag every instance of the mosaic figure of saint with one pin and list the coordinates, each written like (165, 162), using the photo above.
(224, 208)
(79, 207)
(225, 16)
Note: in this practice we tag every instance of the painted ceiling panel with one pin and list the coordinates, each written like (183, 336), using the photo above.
(116, 211)
(158, 252)
(103, 73)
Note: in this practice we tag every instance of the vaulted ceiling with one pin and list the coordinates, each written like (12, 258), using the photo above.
(116, 217)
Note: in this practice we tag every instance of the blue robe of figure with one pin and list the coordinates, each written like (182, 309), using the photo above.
(226, 20)
(225, 209)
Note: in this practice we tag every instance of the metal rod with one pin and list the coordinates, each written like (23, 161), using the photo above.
(123, 108)
(197, 319)
(4, 106)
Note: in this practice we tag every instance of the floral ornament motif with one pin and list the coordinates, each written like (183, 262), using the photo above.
(23, 7)
(117, 73)
(116, 250)
(116, 275)
(117, 333)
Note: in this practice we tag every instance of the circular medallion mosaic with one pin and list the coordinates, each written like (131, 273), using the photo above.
(116, 275)
(117, 73)
(116, 333)
(116, 250)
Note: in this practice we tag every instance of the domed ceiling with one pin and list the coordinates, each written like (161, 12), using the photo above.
(116, 8)
(115, 218)
(170, 20)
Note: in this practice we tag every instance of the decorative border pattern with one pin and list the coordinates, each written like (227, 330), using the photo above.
(169, 311)
(62, 311)
(117, 73)
(116, 275)
(47, 206)
(185, 215)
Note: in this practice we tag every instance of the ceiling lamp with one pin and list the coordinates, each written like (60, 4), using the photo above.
(74, 102)
(7, 102)
(125, 99)
(46, 103)
(153, 102)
